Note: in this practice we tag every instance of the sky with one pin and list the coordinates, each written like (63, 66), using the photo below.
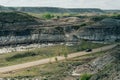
(103, 4)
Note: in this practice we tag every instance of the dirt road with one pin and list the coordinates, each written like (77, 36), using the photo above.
(48, 60)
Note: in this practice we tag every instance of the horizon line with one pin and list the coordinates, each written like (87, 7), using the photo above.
(60, 7)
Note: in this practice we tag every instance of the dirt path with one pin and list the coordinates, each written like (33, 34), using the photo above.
(48, 60)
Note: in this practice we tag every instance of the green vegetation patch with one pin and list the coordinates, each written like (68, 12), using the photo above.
(85, 77)
(25, 54)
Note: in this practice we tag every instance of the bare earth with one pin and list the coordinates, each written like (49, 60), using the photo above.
(48, 60)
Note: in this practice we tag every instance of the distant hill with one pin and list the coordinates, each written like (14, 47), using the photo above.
(51, 9)
(15, 20)
(112, 11)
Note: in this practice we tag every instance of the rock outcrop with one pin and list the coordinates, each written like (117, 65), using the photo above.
(105, 30)
(18, 28)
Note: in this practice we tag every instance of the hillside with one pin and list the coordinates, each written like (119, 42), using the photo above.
(19, 28)
(13, 20)
(105, 30)
(112, 69)
(104, 67)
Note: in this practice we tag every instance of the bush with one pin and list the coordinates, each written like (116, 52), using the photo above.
(83, 24)
(85, 77)
(25, 54)
(117, 16)
(99, 18)
(48, 16)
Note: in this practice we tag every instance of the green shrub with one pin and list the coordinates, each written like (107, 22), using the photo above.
(25, 54)
(99, 18)
(48, 16)
(83, 24)
(116, 16)
(85, 77)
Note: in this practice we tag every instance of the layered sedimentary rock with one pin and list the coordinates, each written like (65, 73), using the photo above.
(17, 28)
(105, 30)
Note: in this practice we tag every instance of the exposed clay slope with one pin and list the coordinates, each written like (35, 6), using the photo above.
(105, 67)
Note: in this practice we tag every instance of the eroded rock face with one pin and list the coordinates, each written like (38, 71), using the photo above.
(94, 66)
(112, 70)
(104, 67)
(31, 38)
(22, 28)
(106, 30)
(41, 34)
